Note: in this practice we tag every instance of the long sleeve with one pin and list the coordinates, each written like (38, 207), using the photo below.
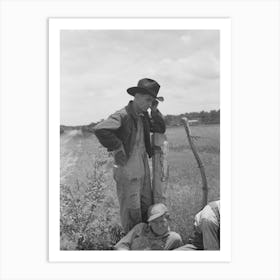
(106, 132)
(126, 242)
(157, 123)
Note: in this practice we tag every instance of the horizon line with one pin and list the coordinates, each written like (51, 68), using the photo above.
(163, 116)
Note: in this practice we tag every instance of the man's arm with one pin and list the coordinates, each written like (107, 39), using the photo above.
(126, 242)
(105, 132)
(157, 123)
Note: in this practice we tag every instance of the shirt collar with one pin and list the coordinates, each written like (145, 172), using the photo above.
(130, 110)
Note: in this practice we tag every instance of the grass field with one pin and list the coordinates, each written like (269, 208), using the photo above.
(184, 193)
(89, 206)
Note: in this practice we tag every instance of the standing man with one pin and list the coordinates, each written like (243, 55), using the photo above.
(127, 134)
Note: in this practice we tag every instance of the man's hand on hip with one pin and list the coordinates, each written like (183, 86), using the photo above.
(120, 157)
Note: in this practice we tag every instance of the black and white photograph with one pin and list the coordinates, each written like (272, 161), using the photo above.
(140, 139)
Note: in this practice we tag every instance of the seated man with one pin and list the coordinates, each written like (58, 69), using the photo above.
(155, 235)
(206, 235)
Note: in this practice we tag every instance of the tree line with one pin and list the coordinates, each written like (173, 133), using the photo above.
(203, 117)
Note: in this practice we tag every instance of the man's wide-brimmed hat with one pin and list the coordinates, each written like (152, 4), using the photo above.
(146, 86)
(155, 211)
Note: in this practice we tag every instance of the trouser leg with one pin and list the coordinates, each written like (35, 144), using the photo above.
(128, 192)
(146, 194)
(210, 234)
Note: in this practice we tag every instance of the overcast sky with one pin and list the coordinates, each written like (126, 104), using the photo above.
(97, 67)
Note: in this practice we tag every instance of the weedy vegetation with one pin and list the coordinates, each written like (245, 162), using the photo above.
(89, 210)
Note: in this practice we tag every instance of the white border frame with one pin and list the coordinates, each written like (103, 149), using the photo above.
(55, 25)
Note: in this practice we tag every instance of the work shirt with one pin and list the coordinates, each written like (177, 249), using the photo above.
(134, 167)
(120, 129)
(211, 213)
(206, 234)
(141, 237)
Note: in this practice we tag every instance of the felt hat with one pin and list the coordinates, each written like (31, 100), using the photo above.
(146, 86)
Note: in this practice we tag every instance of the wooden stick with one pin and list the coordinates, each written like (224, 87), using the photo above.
(199, 162)
(160, 167)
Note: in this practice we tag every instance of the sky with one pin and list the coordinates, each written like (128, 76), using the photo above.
(97, 67)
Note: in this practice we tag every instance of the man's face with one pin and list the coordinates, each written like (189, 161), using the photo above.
(143, 101)
(160, 225)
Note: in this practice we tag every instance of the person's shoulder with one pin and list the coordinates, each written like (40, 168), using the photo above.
(140, 227)
(215, 204)
(121, 112)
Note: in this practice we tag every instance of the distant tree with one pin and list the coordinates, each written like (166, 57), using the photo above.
(212, 117)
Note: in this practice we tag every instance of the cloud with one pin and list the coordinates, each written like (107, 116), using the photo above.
(188, 72)
(98, 66)
(201, 64)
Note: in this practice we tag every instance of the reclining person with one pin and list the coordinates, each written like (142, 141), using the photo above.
(155, 235)
(206, 234)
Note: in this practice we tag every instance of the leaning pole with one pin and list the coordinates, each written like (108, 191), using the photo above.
(199, 162)
(160, 167)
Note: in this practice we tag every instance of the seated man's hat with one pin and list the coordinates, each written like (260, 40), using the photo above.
(156, 210)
